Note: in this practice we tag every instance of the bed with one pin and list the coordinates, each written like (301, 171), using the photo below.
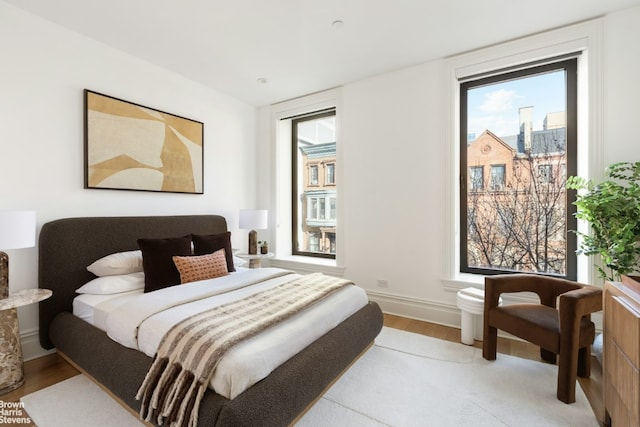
(68, 246)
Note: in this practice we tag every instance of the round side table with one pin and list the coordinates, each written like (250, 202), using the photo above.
(11, 366)
(255, 260)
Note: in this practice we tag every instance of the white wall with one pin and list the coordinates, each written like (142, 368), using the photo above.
(393, 139)
(622, 87)
(394, 136)
(44, 69)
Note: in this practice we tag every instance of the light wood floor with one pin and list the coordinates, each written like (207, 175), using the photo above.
(50, 369)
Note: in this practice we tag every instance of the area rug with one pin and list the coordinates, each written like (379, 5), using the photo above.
(77, 401)
(404, 380)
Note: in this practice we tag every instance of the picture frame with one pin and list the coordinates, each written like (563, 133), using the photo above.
(132, 147)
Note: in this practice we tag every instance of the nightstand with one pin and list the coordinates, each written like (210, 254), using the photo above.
(11, 367)
(255, 261)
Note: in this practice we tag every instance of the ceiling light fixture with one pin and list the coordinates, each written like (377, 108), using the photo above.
(337, 24)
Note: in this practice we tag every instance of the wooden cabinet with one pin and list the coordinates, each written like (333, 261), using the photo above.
(622, 352)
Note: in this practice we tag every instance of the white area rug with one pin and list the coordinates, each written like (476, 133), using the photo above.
(411, 380)
(76, 402)
(404, 380)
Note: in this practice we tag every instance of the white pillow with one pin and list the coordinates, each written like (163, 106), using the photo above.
(114, 284)
(118, 263)
(239, 262)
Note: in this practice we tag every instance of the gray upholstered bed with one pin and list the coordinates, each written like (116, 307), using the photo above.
(67, 246)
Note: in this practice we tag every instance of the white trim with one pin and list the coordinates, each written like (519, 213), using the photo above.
(586, 37)
(415, 308)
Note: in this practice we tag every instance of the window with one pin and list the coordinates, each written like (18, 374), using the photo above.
(331, 174)
(314, 203)
(313, 174)
(497, 177)
(476, 176)
(314, 242)
(545, 173)
(524, 127)
(332, 208)
(312, 208)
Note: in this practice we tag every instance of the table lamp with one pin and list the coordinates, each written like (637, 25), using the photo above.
(253, 219)
(17, 230)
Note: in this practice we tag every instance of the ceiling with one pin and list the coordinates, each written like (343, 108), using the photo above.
(294, 45)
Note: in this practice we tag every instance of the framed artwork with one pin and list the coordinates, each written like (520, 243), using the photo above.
(132, 147)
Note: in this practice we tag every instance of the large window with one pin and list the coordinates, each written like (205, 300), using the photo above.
(314, 184)
(520, 126)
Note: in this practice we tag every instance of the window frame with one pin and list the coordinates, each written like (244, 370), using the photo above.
(571, 69)
(295, 203)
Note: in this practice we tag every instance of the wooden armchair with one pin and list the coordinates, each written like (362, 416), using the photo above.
(566, 331)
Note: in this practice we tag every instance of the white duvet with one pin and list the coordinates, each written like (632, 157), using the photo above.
(140, 321)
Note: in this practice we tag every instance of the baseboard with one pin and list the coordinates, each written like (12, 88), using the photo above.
(31, 349)
(419, 309)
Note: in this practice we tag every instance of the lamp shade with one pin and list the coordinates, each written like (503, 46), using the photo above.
(254, 219)
(17, 229)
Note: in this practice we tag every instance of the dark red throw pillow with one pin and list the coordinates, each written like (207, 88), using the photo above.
(208, 244)
(157, 261)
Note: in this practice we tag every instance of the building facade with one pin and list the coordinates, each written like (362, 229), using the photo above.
(318, 199)
(516, 198)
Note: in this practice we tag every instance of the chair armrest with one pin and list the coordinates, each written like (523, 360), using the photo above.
(580, 302)
(494, 286)
(547, 288)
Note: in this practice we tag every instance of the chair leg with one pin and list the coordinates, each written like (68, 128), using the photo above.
(548, 356)
(567, 374)
(584, 362)
(490, 343)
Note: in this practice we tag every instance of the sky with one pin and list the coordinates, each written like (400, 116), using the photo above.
(495, 107)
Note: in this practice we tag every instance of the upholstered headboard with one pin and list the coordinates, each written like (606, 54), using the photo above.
(67, 246)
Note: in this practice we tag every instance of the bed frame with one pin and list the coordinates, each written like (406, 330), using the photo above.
(67, 246)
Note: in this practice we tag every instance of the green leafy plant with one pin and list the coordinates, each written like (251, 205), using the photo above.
(612, 209)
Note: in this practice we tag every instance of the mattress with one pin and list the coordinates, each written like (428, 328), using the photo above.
(94, 309)
(246, 363)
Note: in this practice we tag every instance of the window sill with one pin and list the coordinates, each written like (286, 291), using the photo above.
(461, 281)
(304, 264)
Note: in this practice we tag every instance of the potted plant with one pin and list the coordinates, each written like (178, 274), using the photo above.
(264, 247)
(612, 209)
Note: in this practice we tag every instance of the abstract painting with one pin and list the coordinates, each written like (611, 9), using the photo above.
(131, 147)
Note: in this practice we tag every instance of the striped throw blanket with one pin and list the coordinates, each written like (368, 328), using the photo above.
(189, 352)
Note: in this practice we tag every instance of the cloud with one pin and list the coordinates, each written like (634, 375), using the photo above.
(499, 125)
(498, 101)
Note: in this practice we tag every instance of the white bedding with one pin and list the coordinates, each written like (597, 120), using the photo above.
(139, 321)
(94, 308)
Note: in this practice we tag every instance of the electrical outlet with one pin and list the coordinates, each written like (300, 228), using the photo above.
(382, 283)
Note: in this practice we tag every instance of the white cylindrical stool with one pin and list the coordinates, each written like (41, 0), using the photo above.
(471, 304)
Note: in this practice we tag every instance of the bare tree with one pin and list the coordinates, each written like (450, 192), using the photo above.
(522, 225)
